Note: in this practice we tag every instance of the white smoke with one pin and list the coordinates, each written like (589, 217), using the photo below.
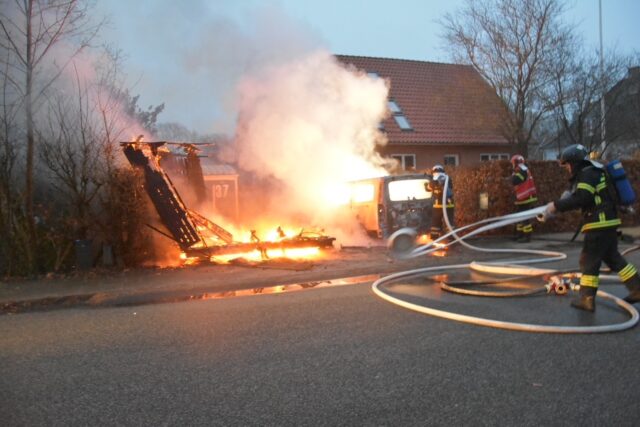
(302, 122)
(312, 124)
(229, 48)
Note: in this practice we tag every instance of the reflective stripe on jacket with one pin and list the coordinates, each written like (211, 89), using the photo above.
(591, 195)
(524, 185)
(436, 187)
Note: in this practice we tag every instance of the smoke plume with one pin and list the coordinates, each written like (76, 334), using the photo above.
(311, 124)
(303, 123)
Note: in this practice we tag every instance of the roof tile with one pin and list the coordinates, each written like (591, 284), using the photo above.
(444, 103)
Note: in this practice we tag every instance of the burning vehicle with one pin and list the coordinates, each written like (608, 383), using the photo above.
(196, 235)
(386, 204)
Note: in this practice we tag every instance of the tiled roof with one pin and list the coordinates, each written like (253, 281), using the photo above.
(444, 103)
(209, 168)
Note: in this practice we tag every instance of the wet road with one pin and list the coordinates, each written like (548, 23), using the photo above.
(330, 356)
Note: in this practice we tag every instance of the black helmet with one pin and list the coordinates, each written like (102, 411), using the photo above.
(574, 154)
(437, 168)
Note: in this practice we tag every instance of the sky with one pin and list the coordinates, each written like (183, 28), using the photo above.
(190, 54)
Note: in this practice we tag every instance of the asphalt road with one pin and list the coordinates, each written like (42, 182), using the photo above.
(331, 356)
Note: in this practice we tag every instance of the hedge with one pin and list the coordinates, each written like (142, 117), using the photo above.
(551, 180)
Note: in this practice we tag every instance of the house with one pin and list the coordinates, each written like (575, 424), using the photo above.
(622, 122)
(221, 183)
(622, 116)
(438, 113)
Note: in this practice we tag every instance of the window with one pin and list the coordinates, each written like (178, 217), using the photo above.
(493, 156)
(402, 122)
(373, 75)
(451, 160)
(407, 161)
(589, 126)
(408, 189)
(398, 115)
(394, 107)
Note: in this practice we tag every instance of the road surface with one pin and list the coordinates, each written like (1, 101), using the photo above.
(331, 356)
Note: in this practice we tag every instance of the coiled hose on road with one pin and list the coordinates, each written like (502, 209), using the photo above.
(400, 245)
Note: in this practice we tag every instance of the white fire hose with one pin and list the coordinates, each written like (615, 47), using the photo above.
(498, 267)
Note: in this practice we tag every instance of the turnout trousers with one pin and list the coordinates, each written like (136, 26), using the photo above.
(524, 228)
(602, 245)
(438, 225)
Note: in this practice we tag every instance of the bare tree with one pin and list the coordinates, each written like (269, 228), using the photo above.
(514, 45)
(80, 151)
(72, 152)
(12, 229)
(146, 118)
(173, 131)
(579, 84)
(622, 115)
(122, 202)
(30, 30)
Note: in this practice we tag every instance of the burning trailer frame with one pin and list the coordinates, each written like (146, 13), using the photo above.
(191, 230)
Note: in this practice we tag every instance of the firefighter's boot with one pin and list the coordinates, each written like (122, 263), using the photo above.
(586, 300)
(524, 238)
(633, 285)
(518, 234)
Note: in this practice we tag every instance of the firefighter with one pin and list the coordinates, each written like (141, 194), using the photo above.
(590, 192)
(436, 187)
(525, 191)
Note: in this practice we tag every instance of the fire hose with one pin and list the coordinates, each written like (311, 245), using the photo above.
(400, 246)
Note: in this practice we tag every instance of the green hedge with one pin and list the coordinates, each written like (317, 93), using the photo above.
(551, 180)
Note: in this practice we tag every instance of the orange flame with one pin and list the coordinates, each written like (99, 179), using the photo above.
(293, 253)
(424, 239)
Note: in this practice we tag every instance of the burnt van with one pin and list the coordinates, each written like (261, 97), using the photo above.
(386, 204)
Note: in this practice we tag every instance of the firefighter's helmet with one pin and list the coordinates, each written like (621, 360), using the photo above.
(516, 160)
(574, 154)
(437, 168)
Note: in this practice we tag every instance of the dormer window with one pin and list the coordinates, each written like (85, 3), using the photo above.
(402, 122)
(398, 115)
(393, 107)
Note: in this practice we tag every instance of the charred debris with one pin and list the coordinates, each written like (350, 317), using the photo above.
(196, 235)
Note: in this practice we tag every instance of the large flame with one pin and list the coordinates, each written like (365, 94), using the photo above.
(293, 254)
(307, 127)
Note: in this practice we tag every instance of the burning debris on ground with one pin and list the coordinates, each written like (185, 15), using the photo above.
(197, 236)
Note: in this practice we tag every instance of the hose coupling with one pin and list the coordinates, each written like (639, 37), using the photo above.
(559, 285)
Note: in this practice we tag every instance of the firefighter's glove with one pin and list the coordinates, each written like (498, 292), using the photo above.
(549, 212)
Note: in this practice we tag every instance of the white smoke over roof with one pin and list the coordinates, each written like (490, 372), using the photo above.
(311, 123)
(305, 123)
(198, 53)
(300, 118)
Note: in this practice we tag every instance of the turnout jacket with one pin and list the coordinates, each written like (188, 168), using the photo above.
(436, 187)
(524, 186)
(590, 193)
